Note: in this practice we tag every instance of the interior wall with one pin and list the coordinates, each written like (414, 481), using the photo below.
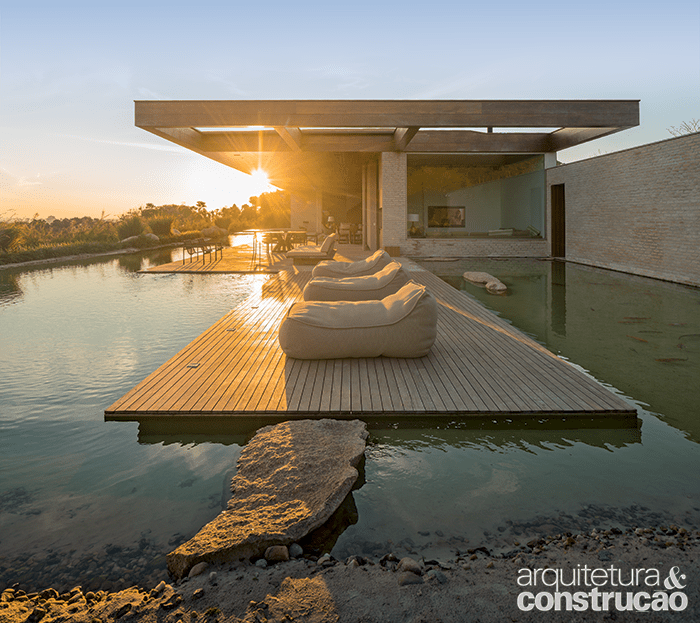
(305, 213)
(494, 195)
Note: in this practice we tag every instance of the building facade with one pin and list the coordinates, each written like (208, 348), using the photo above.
(462, 178)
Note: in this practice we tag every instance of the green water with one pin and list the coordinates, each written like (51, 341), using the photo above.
(87, 502)
(489, 483)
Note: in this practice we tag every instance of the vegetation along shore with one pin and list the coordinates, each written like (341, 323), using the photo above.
(40, 239)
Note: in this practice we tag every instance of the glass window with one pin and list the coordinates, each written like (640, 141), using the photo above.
(464, 195)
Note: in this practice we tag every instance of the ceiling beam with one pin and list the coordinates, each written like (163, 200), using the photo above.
(403, 136)
(466, 141)
(291, 136)
(569, 137)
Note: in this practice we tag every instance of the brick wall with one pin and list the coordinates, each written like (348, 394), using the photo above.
(637, 210)
(392, 198)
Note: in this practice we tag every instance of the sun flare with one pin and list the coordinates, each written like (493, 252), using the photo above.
(220, 186)
(259, 179)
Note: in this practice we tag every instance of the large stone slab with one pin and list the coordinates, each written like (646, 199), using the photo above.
(291, 478)
(492, 284)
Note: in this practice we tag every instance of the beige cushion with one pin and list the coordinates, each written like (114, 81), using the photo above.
(387, 281)
(328, 242)
(401, 325)
(372, 264)
(327, 249)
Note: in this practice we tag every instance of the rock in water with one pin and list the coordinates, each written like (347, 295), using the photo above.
(291, 478)
(492, 284)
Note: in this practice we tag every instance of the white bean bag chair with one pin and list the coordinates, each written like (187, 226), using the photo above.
(389, 280)
(372, 264)
(401, 325)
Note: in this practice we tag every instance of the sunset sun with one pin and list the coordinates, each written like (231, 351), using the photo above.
(260, 181)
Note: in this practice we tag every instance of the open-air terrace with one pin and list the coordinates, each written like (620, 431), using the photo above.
(479, 365)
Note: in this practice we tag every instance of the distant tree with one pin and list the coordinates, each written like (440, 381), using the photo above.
(687, 127)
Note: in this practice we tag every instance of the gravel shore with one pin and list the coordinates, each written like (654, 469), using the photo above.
(477, 584)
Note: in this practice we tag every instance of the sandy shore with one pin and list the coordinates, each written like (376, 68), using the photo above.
(476, 585)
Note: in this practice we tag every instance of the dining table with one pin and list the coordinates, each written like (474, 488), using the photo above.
(285, 239)
(277, 240)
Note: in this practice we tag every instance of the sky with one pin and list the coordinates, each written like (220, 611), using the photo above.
(70, 72)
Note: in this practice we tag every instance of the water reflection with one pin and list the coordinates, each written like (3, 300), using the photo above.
(197, 430)
(524, 434)
(413, 433)
(636, 334)
(103, 496)
(558, 298)
(130, 263)
(10, 289)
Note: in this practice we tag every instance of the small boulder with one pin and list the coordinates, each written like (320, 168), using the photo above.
(277, 553)
(407, 577)
(408, 564)
(295, 550)
(198, 569)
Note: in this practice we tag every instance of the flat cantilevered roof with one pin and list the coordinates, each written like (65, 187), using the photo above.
(304, 143)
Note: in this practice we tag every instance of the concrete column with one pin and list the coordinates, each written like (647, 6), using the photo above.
(550, 160)
(319, 211)
(392, 198)
(369, 206)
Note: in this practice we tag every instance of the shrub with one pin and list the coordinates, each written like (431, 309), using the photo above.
(130, 225)
(32, 235)
(8, 236)
(161, 226)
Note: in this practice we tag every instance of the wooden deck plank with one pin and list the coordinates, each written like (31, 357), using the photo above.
(516, 357)
(479, 365)
(377, 392)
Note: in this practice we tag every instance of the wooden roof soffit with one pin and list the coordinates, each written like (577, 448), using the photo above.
(303, 129)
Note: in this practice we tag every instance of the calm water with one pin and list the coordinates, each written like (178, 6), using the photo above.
(96, 503)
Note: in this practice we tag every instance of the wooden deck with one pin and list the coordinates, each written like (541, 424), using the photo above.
(239, 259)
(479, 366)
